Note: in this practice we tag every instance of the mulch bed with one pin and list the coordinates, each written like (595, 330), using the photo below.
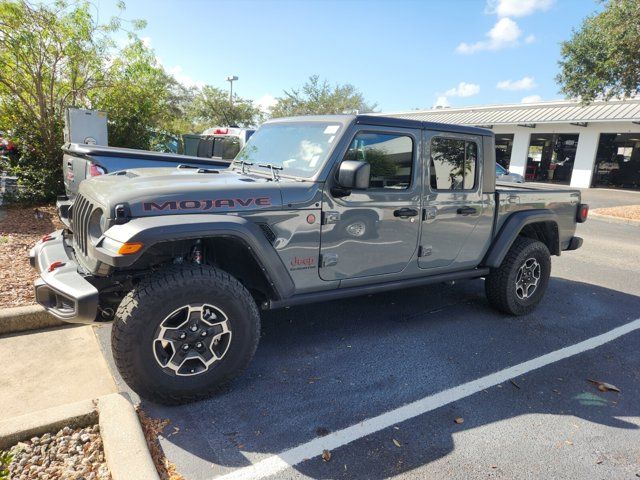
(629, 212)
(20, 229)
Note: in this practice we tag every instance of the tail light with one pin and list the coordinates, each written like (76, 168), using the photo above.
(583, 212)
(96, 170)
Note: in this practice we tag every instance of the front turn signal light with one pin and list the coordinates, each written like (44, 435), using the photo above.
(130, 248)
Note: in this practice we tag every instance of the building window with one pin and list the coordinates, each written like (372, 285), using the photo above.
(390, 156)
(551, 158)
(453, 164)
(618, 161)
(504, 145)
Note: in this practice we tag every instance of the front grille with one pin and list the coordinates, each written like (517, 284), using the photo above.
(80, 213)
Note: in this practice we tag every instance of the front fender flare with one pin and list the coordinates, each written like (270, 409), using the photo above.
(165, 228)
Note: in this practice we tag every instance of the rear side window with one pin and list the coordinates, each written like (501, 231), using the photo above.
(453, 164)
(390, 157)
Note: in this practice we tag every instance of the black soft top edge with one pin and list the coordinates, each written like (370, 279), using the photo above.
(105, 151)
(379, 120)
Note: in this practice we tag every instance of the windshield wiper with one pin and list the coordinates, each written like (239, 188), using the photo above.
(274, 170)
(243, 163)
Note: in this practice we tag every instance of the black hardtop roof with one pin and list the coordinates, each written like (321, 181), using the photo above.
(384, 121)
(381, 120)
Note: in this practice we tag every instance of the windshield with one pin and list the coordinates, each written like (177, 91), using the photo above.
(500, 170)
(300, 149)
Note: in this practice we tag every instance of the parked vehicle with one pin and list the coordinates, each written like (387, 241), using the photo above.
(181, 260)
(504, 175)
(217, 142)
(81, 161)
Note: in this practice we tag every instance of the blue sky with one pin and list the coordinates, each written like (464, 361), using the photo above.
(401, 54)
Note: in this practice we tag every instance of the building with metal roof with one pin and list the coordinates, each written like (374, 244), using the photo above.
(596, 145)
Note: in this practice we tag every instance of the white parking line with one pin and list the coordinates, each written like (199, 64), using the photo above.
(277, 463)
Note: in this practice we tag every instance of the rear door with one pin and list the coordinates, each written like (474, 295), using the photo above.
(374, 231)
(454, 203)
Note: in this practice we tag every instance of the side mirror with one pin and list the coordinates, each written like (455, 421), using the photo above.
(354, 175)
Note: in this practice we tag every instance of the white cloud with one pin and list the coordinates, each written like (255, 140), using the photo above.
(531, 99)
(441, 102)
(463, 89)
(525, 83)
(505, 33)
(183, 78)
(530, 38)
(518, 8)
(266, 102)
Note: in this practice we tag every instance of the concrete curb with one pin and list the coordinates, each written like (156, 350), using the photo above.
(124, 444)
(22, 319)
(125, 447)
(612, 219)
(23, 427)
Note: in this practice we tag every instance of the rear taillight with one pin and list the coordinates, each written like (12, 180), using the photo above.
(96, 170)
(583, 212)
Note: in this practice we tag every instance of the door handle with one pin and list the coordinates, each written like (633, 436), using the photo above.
(405, 212)
(466, 211)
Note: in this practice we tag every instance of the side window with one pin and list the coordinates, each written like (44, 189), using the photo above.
(390, 156)
(453, 164)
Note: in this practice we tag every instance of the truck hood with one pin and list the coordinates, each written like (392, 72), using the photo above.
(159, 191)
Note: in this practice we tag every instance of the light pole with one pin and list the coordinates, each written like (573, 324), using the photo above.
(231, 79)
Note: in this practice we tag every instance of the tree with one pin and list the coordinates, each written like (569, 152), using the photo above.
(140, 98)
(51, 57)
(211, 107)
(318, 97)
(602, 58)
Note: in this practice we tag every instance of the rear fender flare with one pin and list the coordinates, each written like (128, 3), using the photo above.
(510, 231)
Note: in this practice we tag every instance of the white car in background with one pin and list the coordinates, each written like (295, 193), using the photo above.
(504, 175)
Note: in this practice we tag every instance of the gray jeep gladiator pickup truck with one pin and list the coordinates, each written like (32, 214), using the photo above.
(312, 209)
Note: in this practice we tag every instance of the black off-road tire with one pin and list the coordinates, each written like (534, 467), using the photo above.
(142, 311)
(500, 285)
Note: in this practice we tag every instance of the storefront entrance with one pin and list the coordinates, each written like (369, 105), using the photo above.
(504, 145)
(618, 161)
(551, 158)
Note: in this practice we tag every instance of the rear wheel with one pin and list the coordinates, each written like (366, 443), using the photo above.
(518, 285)
(184, 333)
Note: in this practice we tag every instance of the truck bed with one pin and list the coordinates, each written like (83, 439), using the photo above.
(78, 159)
(560, 199)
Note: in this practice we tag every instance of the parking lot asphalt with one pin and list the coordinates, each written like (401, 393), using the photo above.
(322, 368)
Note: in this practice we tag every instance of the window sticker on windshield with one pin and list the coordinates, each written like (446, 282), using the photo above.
(331, 129)
(331, 138)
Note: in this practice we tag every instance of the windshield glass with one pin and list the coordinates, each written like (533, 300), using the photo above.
(299, 148)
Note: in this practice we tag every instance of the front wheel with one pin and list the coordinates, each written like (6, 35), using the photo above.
(518, 285)
(184, 333)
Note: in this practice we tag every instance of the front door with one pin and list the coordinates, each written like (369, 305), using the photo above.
(454, 204)
(374, 231)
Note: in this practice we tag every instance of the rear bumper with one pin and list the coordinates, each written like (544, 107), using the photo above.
(63, 292)
(574, 244)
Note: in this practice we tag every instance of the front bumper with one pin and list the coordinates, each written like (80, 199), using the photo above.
(64, 292)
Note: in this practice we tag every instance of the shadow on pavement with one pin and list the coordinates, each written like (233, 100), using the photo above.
(320, 368)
